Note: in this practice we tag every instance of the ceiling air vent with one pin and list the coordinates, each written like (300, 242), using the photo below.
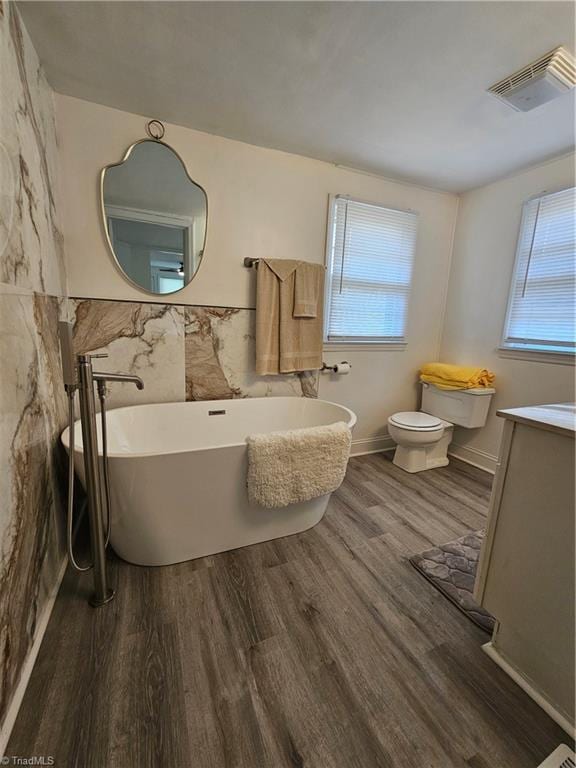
(539, 82)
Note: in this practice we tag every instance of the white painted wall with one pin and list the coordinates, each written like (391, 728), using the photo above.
(260, 203)
(484, 252)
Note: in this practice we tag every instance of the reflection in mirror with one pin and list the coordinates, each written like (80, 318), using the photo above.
(155, 216)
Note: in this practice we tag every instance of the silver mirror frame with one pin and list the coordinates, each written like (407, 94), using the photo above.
(103, 216)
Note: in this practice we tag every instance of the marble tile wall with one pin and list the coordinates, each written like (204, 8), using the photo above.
(180, 352)
(32, 402)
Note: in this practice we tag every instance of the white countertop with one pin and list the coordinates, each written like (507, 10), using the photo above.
(557, 417)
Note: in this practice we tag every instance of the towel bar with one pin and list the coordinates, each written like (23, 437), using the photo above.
(250, 262)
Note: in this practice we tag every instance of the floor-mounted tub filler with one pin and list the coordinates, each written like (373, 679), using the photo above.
(178, 475)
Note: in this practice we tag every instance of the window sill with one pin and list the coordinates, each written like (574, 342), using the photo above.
(363, 346)
(538, 356)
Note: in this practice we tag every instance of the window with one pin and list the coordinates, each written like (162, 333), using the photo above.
(540, 314)
(370, 255)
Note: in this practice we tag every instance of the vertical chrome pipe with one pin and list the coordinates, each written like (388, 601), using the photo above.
(102, 593)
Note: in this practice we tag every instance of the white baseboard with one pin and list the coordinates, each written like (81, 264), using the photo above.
(28, 665)
(528, 686)
(372, 445)
(473, 456)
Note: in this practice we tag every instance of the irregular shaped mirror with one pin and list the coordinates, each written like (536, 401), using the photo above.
(155, 217)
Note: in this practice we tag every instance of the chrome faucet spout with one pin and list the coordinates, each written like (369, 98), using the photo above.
(119, 377)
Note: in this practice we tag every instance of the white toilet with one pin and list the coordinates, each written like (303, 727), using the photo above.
(423, 436)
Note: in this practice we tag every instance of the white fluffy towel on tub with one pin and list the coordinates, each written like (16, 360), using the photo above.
(297, 465)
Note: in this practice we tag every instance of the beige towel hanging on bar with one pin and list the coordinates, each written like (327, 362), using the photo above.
(286, 343)
(308, 282)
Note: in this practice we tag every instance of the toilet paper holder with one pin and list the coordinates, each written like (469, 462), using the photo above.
(336, 367)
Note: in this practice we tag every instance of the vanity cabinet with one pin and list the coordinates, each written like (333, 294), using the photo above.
(526, 570)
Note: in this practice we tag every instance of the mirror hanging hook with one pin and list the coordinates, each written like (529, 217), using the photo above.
(155, 129)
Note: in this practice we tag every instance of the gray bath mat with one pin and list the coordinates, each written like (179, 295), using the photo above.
(451, 568)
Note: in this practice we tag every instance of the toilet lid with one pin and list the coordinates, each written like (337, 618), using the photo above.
(416, 420)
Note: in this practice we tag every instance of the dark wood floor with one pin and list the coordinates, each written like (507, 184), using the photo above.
(324, 650)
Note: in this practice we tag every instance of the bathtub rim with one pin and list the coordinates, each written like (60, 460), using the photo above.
(65, 434)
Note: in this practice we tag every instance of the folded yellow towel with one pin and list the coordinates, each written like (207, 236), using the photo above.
(456, 376)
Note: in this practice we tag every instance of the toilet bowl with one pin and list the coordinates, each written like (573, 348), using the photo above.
(422, 440)
(422, 437)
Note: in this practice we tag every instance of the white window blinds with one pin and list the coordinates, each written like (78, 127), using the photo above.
(541, 312)
(370, 255)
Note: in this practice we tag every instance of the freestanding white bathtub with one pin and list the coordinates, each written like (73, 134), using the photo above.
(178, 475)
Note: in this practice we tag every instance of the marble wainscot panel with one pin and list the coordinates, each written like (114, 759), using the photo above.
(142, 339)
(180, 352)
(32, 407)
(33, 257)
(220, 353)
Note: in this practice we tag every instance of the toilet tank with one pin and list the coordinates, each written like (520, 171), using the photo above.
(464, 407)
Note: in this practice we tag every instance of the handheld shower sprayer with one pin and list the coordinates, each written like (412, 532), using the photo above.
(79, 377)
(70, 377)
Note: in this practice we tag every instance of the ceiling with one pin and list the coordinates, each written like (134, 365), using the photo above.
(394, 88)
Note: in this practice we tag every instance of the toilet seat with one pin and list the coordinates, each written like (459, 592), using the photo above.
(416, 421)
